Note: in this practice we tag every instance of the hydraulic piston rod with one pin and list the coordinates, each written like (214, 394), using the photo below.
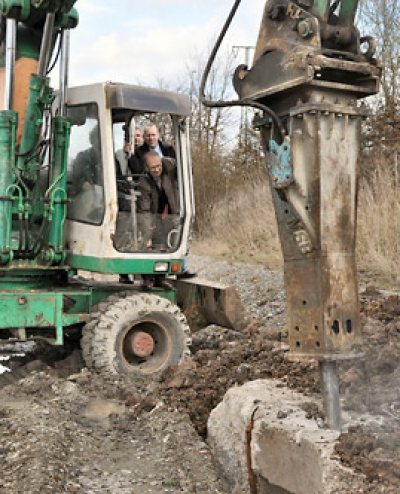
(330, 394)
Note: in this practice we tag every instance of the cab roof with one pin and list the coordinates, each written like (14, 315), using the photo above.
(141, 98)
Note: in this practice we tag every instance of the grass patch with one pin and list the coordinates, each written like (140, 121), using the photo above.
(242, 228)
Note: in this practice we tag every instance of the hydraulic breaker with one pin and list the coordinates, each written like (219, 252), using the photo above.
(309, 69)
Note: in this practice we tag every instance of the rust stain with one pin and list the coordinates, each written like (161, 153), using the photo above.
(252, 477)
(112, 207)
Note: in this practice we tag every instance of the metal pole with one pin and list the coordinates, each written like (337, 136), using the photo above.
(64, 64)
(11, 42)
(46, 44)
(330, 394)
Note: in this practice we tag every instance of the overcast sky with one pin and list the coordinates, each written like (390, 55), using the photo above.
(143, 41)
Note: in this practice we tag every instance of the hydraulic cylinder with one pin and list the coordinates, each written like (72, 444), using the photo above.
(8, 129)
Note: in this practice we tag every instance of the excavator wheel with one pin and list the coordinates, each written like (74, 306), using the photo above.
(135, 333)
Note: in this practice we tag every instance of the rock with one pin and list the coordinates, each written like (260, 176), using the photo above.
(260, 433)
(99, 409)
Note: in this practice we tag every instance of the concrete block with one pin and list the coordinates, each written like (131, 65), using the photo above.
(264, 443)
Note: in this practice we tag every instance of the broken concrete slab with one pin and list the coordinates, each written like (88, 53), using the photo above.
(265, 442)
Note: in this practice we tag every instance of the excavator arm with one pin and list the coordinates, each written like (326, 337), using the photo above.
(30, 29)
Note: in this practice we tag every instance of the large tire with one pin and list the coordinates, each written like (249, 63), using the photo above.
(133, 333)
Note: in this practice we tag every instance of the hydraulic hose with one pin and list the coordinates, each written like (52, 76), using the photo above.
(220, 104)
(57, 56)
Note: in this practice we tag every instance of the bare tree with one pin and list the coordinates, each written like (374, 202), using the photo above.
(209, 126)
(381, 19)
(212, 131)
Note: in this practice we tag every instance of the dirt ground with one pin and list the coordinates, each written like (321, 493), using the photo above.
(60, 434)
(369, 385)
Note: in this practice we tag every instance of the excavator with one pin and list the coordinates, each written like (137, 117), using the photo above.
(68, 221)
(311, 67)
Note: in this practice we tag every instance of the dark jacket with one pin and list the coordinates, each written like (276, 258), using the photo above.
(136, 162)
(150, 194)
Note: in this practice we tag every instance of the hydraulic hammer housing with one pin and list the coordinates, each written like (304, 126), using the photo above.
(310, 69)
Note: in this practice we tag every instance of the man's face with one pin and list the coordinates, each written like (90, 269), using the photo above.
(138, 139)
(151, 136)
(154, 166)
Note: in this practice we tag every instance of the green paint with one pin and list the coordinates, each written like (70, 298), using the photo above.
(43, 307)
(40, 96)
(69, 20)
(30, 309)
(33, 12)
(320, 9)
(11, 7)
(57, 192)
(28, 43)
(30, 21)
(112, 266)
(29, 161)
(8, 128)
(347, 12)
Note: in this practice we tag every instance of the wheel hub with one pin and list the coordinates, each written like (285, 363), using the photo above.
(141, 343)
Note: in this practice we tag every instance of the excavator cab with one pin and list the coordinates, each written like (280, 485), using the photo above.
(105, 231)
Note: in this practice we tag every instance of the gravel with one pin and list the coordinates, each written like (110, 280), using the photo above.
(260, 289)
(86, 434)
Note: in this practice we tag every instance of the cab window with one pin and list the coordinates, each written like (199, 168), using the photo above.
(150, 186)
(85, 174)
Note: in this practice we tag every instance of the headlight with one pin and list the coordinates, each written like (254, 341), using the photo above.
(161, 267)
